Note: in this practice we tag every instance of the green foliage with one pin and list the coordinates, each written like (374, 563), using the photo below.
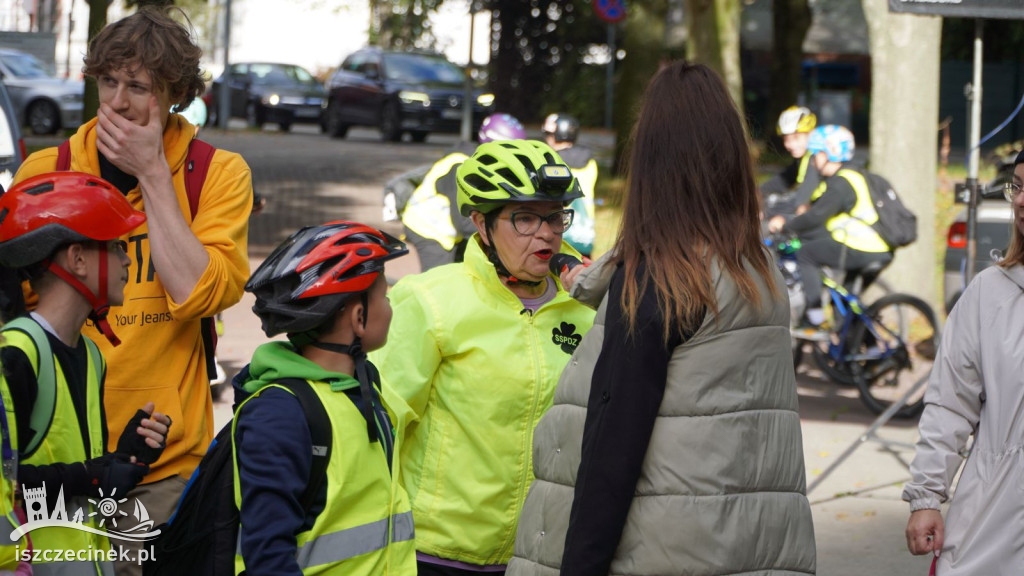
(398, 24)
(540, 54)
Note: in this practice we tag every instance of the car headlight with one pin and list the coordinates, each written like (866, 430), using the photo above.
(273, 100)
(485, 100)
(408, 97)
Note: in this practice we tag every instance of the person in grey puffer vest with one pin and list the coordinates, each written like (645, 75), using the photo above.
(674, 443)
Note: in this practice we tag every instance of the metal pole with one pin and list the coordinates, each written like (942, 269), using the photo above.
(609, 78)
(224, 98)
(974, 136)
(467, 91)
(71, 28)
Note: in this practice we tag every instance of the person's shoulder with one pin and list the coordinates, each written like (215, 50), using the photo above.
(38, 162)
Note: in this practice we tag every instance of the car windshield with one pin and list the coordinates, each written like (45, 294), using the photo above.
(419, 68)
(278, 74)
(24, 65)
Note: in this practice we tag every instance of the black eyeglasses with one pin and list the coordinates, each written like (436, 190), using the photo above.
(527, 223)
(1010, 191)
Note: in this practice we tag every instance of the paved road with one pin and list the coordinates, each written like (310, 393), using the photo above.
(309, 178)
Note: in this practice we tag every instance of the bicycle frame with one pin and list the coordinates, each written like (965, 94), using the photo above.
(849, 307)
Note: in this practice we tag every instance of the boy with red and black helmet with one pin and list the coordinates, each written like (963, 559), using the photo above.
(325, 288)
(62, 230)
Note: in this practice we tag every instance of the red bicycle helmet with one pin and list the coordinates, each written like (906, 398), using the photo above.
(42, 213)
(306, 279)
(45, 212)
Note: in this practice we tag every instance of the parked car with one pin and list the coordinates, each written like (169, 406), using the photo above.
(12, 147)
(263, 92)
(42, 102)
(994, 222)
(398, 92)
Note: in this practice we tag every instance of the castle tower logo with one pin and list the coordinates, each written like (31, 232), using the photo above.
(101, 516)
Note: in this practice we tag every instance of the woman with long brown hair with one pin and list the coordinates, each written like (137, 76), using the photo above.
(674, 431)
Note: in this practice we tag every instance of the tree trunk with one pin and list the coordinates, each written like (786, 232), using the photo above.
(790, 21)
(904, 131)
(97, 21)
(643, 43)
(714, 40)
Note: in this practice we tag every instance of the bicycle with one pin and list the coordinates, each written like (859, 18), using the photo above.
(883, 349)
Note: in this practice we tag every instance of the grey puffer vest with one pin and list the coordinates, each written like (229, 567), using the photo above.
(722, 485)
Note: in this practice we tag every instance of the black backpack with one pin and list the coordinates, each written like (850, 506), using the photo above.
(896, 224)
(201, 538)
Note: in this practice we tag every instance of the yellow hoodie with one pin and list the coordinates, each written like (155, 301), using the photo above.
(161, 353)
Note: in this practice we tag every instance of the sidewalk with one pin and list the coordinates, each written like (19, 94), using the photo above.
(858, 515)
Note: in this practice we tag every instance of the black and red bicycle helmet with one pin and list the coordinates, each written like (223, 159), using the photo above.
(45, 212)
(307, 279)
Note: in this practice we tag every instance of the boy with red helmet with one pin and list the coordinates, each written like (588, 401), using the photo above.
(62, 230)
(325, 288)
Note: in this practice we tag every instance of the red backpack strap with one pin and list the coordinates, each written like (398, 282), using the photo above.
(197, 164)
(64, 156)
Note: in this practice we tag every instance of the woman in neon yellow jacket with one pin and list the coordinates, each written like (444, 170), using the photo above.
(476, 349)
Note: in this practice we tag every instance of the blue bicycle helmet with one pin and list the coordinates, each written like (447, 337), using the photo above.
(834, 140)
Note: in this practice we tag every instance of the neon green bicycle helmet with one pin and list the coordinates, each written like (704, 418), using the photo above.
(508, 171)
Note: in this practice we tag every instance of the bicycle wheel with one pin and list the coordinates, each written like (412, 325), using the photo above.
(893, 352)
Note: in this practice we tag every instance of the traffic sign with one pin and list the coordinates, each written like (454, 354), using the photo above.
(1012, 9)
(611, 11)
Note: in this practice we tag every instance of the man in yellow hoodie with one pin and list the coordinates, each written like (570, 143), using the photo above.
(183, 268)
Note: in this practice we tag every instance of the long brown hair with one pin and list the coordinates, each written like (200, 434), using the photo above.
(691, 197)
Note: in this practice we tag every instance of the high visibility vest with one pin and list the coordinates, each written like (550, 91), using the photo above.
(428, 212)
(9, 549)
(853, 229)
(63, 442)
(366, 525)
(801, 172)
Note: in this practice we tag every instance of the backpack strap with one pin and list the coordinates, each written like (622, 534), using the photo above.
(319, 432)
(63, 156)
(46, 379)
(197, 164)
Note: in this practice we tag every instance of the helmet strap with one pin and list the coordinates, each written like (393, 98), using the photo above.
(100, 305)
(355, 350)
(499, 267)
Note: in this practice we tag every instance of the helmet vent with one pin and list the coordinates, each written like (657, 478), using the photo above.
(509, 175)
(3, 215)
(364, 252)
(480, 183)
(527, 163)
(37, 190)
(487, 159)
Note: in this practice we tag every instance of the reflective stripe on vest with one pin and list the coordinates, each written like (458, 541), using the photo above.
(428, 212)
(367, 521)
(853, 229)
(63, 442)
(801, 172)
(73, 568)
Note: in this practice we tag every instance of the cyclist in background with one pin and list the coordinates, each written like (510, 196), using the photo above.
(835, 231)
(784, 193)
(561, 132)
(424, 198)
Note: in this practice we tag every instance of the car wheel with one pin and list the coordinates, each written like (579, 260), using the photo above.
(254, 115)
(43, 117)
(419, 135)
(391, 122)
(334, 126)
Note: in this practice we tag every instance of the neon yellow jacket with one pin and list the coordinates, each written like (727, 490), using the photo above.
(154, 330)
(478, 373)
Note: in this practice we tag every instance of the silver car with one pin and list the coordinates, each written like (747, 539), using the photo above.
(43, 103)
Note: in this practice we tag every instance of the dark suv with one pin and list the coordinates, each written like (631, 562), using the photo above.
(414, 92)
